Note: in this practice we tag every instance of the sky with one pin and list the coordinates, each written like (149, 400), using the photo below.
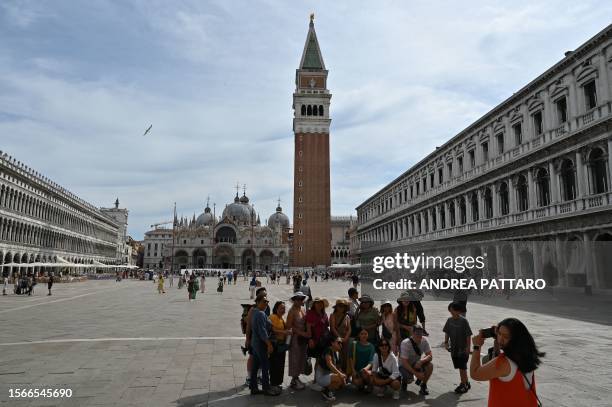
(81, 81)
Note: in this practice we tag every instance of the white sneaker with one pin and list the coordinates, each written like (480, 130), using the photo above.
(396, 394)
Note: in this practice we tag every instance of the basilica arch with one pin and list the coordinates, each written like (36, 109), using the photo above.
(224, 257)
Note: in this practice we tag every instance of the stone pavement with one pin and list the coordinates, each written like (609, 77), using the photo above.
(122, 344)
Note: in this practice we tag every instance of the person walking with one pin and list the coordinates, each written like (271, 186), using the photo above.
(202, 283)
(171, 277)
(296, 321)
(5, 284)
(510, 374)
(160, 284)
(50, 283)
(192, 287)
(253, 286)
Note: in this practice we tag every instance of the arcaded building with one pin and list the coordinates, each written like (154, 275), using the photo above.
(528, 183)
(44, 223)
(311, 190)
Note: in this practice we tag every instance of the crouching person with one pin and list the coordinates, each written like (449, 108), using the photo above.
(328, 373)
(415, 358)
(362, 354)
(386, 370)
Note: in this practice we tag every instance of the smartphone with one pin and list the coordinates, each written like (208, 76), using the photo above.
(488, 332)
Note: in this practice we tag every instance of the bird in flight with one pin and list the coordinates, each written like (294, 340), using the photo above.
(147, 130)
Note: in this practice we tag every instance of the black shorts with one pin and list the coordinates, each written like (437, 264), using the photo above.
(460, 362)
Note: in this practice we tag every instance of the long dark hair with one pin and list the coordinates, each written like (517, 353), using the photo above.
(400, 309)
(521, 348)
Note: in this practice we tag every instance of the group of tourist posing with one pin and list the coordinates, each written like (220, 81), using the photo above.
(380, 351)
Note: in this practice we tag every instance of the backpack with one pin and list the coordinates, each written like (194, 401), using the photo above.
(243, 318)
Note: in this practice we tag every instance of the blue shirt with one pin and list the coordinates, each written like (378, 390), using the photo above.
(260, 327)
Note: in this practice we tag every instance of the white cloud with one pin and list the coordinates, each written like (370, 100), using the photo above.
(215, 79)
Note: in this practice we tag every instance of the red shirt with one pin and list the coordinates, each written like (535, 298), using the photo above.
(320, 324)
(512, 393)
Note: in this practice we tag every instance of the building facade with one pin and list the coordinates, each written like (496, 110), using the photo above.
(340, 233)
(236, 240)
(525, 182)
(41, 222)
(311, 186)
(120, 216)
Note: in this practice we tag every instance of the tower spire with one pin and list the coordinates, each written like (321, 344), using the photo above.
(312, 57)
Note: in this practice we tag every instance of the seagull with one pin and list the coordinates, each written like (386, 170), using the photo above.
(147, 130)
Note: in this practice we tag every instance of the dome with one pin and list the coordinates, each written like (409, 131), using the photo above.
(278, 218)
(244, 199)
(239, 212)
(206, 218)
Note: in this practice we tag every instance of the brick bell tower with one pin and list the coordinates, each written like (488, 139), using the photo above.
(311, 197)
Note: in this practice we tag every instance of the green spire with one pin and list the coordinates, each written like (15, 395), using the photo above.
(312, 59)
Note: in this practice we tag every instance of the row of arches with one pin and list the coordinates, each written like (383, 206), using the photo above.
(34, 207)
(26, 258)
(312, 110)
(342, 253)
(19, 232)
(224, 256)
(515, 194)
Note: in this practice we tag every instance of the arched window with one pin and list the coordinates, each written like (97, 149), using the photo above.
(568, 180)
(426, 221)
(522, 193)
(542, 182)
(309, 110)
(504, 204)
(451, 211)
(315, 111)
(462, 212)
(475, 207)
(442, 218)
(303, 110)
(598, 171)
(321, 110)
(488, 203)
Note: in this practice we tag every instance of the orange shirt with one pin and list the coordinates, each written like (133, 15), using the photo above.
(511, 393)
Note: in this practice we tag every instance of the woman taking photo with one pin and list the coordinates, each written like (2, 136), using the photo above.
(511, 374)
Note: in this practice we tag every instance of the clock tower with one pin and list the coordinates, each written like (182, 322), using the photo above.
(311, 195)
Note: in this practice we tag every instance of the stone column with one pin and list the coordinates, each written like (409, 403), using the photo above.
(495, 200)
(580, 178)
(481, 205)
(530, 190)
(537, 260)
(560, 256)
(438, 214)
(609, 181)
(457, 213)
(548, 113)
(511, 196)
(572, 101)
(518, 273)
(553, 184)
(603, 90)
(589, 264)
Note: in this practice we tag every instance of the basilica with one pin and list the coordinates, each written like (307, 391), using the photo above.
(235, 240)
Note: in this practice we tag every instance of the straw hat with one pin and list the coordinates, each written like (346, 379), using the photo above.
(341, 301)
(319, 299)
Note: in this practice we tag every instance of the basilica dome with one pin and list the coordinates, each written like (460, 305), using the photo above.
(278, 218)
(206, 218)
(239, 211)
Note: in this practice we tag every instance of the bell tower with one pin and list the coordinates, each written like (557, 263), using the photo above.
(311, 185)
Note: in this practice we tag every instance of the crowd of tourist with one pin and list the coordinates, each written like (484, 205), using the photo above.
(380, 351)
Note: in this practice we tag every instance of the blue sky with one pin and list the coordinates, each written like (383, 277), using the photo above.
(81, 81)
